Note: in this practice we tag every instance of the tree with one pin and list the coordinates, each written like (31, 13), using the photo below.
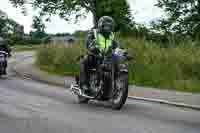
(3, 23)
(38, 25)
(119, 9)
(183, 16)
(9, 26)
(39, 28)
(80, 34)
(62, 34)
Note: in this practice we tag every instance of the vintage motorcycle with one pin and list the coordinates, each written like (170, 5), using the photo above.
(3, 60)
(107, 83)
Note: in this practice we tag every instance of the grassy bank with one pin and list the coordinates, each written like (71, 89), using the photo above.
(59, 59)
(168, 68)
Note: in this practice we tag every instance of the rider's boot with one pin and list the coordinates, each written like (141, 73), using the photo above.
(4, 72)
(87, 90)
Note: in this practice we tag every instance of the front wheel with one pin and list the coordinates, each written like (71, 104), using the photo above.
(120, 92)
(82, 100)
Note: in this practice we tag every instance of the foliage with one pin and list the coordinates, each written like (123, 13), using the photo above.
(169, 68)
(13, 40)
(59, 58)
(8, 26)
(38, 25)
(141, 32)
(80, 34)
(61, 34)
(119, 10)
(3, 21)
(183, 16)
(37, 34)
(39, 28)
(66, 8)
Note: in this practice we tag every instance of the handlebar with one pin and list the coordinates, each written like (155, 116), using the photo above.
(6, 54)
(3, 52)
(128, 58)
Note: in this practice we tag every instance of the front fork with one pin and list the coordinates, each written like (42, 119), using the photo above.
(113, 78)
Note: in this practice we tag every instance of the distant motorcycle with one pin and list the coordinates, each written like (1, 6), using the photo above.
(107, 83)
(3, 61)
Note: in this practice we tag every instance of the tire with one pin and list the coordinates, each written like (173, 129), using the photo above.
(118, 103)
(82, 100)
(1, 68)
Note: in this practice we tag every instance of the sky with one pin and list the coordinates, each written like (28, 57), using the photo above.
(144, 11)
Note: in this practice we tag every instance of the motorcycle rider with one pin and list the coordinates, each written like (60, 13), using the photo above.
(99, 41)
(5, 48)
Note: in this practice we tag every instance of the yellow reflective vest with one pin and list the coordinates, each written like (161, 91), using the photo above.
(102, 43)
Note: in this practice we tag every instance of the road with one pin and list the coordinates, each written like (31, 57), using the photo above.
(30, 107)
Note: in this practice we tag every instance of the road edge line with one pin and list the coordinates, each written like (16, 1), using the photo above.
(182, 105)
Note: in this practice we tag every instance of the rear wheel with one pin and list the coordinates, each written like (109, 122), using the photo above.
(121, 92)
(1, 68)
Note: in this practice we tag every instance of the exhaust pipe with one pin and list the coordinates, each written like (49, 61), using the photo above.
(75, 89)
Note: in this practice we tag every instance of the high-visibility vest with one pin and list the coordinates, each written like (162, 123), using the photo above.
(102, 42)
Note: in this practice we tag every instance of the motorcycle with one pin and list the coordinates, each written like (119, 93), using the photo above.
(3, 61)
(107, 82)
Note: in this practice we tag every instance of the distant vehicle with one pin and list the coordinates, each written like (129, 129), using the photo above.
(3, 60)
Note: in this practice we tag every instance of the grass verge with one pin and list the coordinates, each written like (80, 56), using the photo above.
(20, 48)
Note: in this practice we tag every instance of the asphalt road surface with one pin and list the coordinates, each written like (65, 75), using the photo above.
(31, 107)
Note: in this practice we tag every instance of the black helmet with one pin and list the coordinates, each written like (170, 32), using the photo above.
(106, 24)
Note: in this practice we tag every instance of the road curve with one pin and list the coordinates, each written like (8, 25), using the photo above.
(31, 107)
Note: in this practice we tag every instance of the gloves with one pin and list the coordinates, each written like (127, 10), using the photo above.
(120, 52)
(94, 50)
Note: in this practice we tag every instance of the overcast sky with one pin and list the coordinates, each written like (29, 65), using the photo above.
(144, 11)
